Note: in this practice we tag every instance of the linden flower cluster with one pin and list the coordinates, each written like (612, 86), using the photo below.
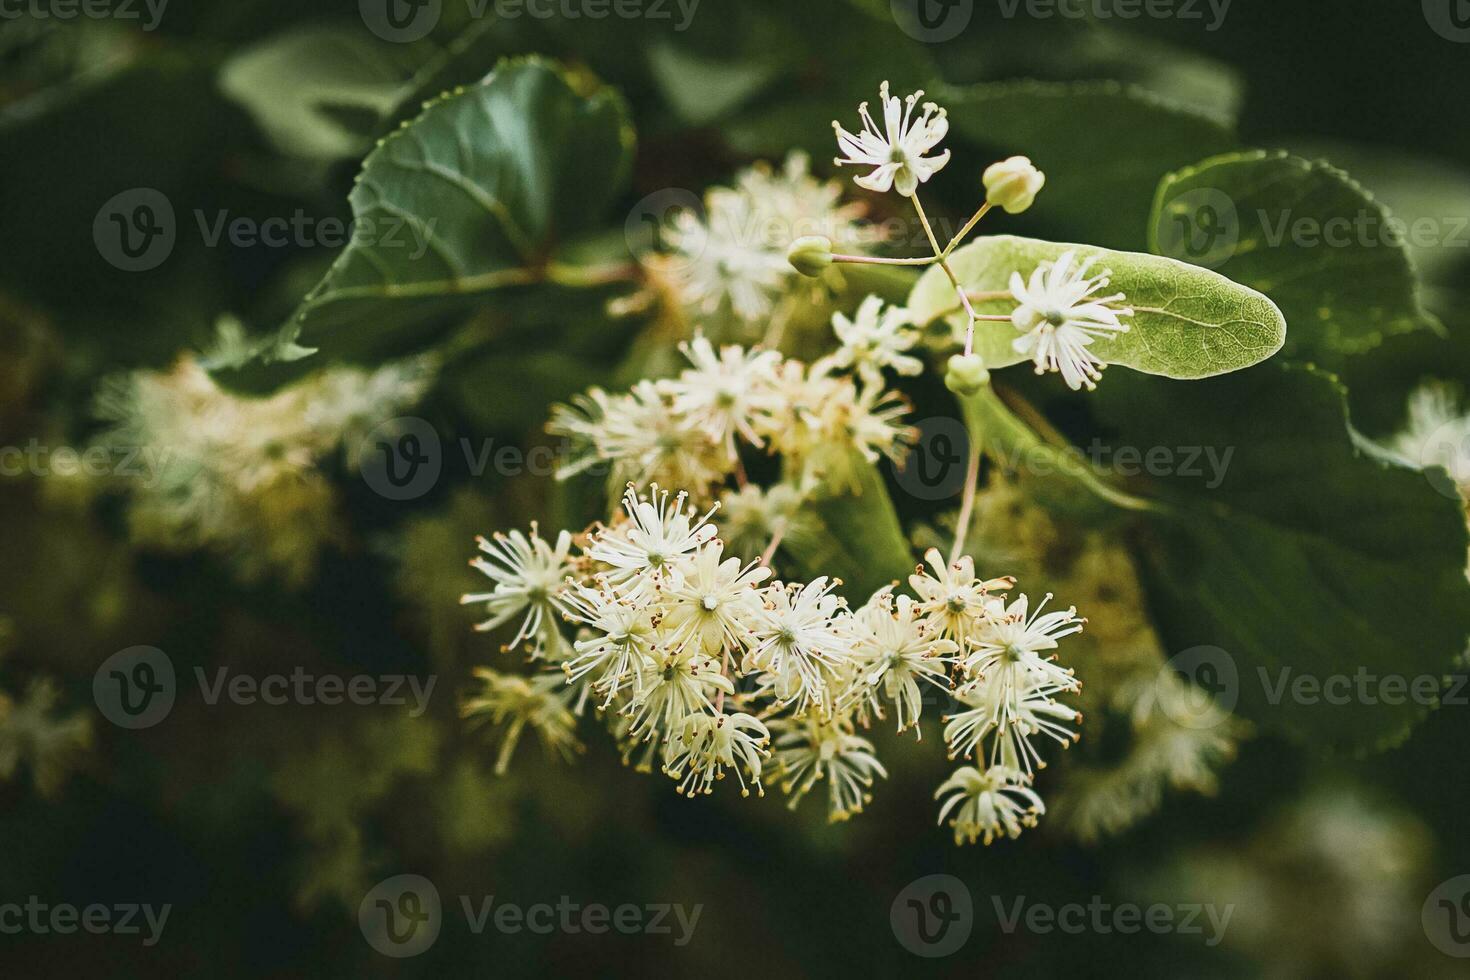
(240, 475)
(703, 664)
(734, 255)
(1060, 312)
(687, 431)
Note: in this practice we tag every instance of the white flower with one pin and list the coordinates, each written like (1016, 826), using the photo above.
(723, 257)
(1009, 648)
(515, 703)
(620, 644)
(675, 684)
(642, 436)
(1013, 716)
(894, 650)
(658, 534)
(875, 338)
(989, 804)
(797, 641)
(711, 601)
(810, 748)
(1060, 316)
(896, 154)
(529, 576)
(1437, 433)
(707, 745)
(725, 393)
(953, 598)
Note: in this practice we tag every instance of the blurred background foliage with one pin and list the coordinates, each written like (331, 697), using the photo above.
(264, 826)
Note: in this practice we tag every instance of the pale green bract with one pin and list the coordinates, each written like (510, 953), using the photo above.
(1188, 322)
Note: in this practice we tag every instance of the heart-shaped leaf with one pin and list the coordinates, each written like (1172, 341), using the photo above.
(1306, 235)
(1188, 322)
(1103, 146)
(475, 195)
(1298, 550)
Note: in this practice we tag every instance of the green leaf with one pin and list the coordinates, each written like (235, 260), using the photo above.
(1188, 322)
(1311, 553)
(1103, 147)
(304, 87)
(476, 195)
(860, 540)
(700, 89)
(1303, 233)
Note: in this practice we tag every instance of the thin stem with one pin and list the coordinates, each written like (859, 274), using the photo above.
(967, 502)
(770, 551)
(953, 280)
(969, 225)
(877, 260)
(993, 318)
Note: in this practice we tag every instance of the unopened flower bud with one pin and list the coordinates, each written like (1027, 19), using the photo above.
(966, 374)
(810, 254)
(1013, 184)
